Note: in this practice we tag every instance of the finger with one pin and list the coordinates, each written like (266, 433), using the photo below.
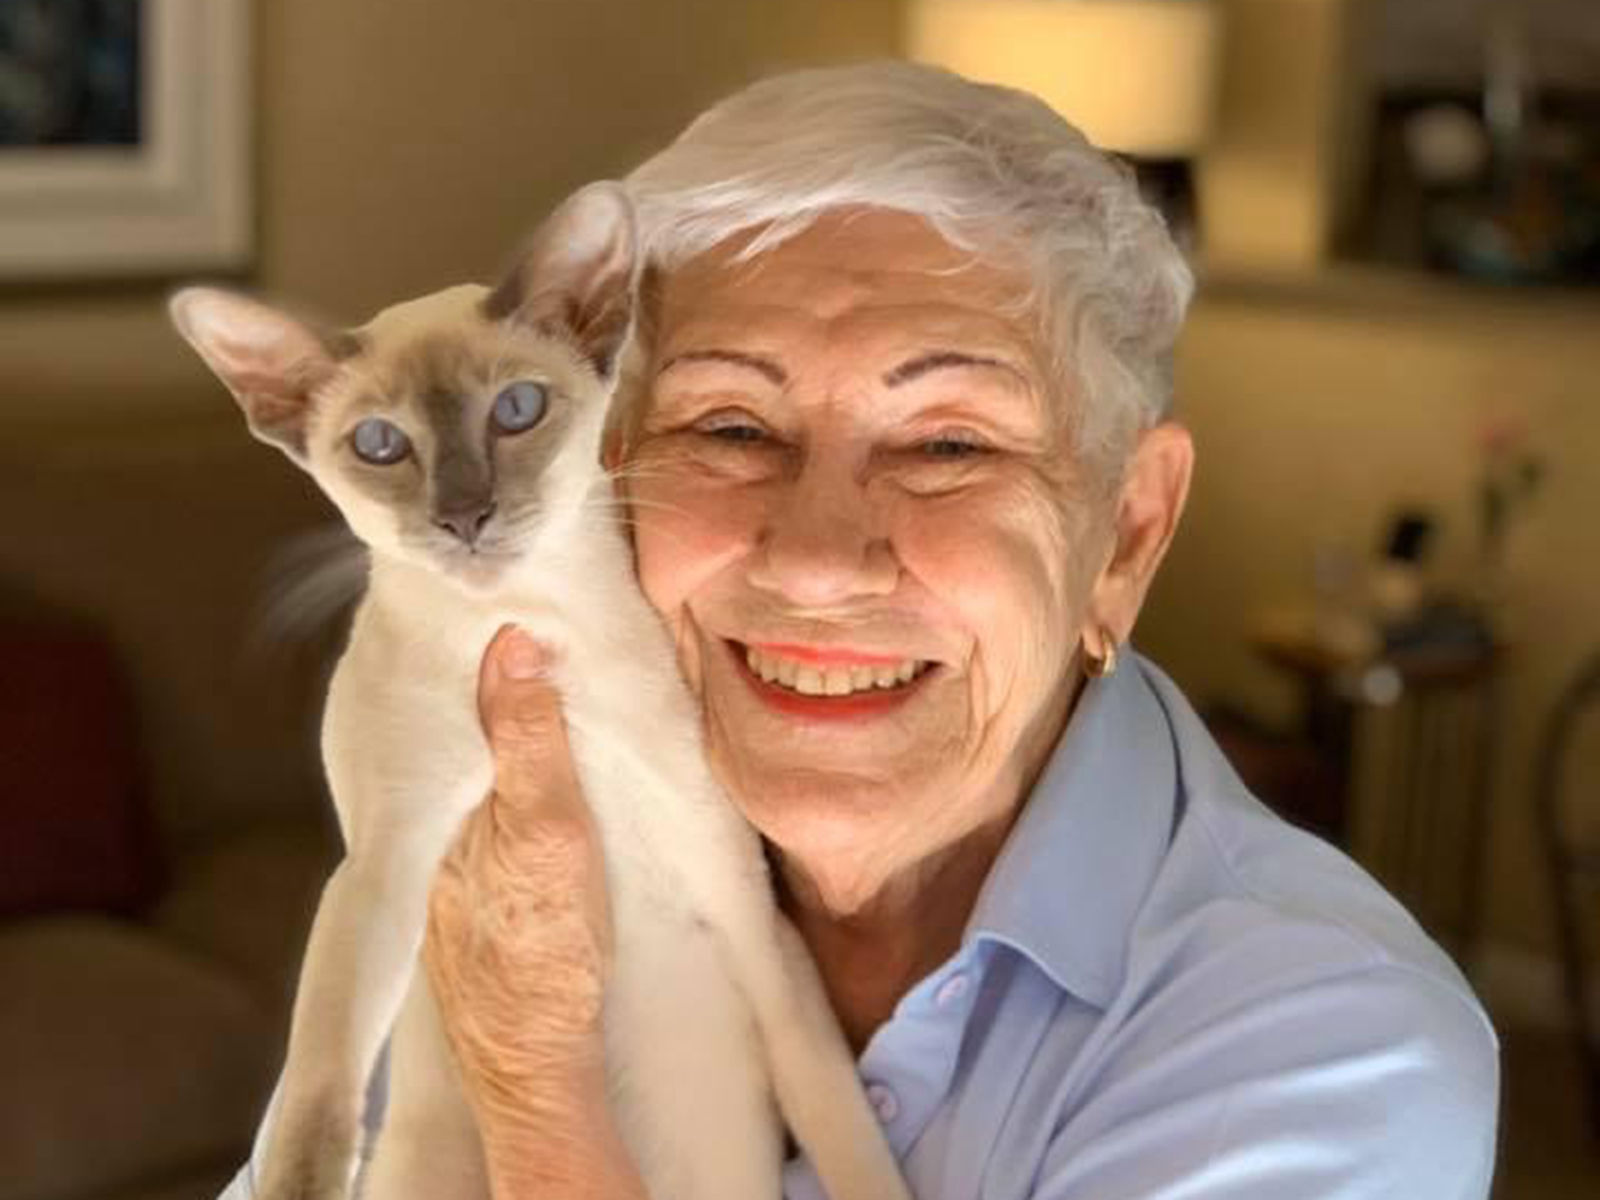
(521, 712)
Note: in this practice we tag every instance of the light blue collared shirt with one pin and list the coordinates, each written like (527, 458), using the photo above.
(1167, 993)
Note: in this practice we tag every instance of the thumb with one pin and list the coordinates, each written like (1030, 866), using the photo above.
(521, 712)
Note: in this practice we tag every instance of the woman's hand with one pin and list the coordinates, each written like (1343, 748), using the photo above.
(519, 944)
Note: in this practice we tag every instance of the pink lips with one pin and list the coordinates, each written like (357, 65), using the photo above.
(858, 706)
(827, 656)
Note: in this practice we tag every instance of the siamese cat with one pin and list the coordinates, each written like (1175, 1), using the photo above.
(460, 436)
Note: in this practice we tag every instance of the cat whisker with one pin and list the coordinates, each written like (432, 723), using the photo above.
(636, 471)
(626, 508)
(628, 521)
(677, 539)
(611, 498)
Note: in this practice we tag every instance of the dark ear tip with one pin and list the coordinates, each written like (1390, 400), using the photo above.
(503, 299)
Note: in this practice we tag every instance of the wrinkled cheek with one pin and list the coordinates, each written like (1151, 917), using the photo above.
(684, 540)
(1013, 589)
(689, 539)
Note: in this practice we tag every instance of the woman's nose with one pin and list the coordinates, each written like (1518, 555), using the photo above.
(824, 543)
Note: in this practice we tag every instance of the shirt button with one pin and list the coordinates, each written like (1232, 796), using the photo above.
(952, 989)
(884, 1102)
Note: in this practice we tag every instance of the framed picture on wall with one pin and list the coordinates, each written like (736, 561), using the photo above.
(124, 138)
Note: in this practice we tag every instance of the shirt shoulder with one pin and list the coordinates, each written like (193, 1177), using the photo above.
(1282, 1020)
(1365, 1082)
(1234, 862)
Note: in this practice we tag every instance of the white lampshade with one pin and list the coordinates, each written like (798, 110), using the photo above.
(1137, 76)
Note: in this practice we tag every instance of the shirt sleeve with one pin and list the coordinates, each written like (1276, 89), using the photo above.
(1380, 1083)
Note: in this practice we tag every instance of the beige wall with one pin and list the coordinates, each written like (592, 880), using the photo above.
(405, 144)
(1318, 409)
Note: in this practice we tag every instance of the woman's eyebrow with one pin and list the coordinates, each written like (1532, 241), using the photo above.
(765, 367)
(915, 368)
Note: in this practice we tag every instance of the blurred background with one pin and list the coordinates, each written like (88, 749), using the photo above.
(1385, 597)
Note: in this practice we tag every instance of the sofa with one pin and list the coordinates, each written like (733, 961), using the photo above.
(164, 830)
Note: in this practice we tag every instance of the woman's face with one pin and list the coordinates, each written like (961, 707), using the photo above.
(856, 511)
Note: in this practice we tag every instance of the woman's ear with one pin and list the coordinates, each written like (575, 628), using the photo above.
(1149, 503)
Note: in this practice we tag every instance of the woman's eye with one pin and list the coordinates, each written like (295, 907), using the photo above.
(737, 433)
(951, 447)
(733, 428)
(379, 442)
(519, 406)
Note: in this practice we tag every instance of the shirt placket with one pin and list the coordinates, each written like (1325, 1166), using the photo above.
(907, 1067)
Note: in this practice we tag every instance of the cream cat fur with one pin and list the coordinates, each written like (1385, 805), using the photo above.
(418, 427)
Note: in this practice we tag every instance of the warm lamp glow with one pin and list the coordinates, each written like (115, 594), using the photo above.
(1135, 75)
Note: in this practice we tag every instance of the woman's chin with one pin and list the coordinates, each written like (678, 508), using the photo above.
(827, 818)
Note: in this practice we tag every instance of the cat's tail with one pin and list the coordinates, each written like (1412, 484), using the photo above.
(312, 581)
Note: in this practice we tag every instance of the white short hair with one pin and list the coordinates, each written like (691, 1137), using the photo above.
(993, 170)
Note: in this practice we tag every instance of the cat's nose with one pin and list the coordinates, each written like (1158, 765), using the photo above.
(467, 521)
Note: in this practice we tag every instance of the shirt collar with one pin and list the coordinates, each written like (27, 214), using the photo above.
(1078, 863)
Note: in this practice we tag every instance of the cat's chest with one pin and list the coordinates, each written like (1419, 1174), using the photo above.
(408, 689)
(409, 636)
(418, 658)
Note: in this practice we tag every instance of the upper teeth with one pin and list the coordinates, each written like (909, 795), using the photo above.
(812, 680)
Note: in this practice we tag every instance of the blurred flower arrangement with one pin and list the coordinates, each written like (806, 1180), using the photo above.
(1510, 474)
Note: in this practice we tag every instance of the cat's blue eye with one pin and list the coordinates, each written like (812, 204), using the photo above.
(379, 442)
(519, 406)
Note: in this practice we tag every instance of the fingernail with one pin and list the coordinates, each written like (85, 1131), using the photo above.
(519, 657)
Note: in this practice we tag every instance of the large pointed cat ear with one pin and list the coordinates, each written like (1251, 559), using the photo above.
(270, 361)
(575, 280)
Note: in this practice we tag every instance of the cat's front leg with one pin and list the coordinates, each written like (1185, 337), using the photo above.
(817, 1083)
(429, 1147)
(401, 800)
(358, 963)
(812, 1070)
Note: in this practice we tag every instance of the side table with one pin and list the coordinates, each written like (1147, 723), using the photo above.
(1409, 733)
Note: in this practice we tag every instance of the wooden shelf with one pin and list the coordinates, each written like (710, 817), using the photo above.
(1374, 292)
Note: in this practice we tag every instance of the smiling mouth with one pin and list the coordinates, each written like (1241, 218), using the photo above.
(829, 676)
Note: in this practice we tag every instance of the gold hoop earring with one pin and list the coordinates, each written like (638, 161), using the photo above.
(1100, 668)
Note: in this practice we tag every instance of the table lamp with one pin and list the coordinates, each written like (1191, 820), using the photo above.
(1137, 76)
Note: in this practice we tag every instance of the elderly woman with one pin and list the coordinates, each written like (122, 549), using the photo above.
(904, 476)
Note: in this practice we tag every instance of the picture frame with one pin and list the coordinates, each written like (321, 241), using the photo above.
(176, 196)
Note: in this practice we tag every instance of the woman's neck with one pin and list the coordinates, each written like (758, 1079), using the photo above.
(874, 953)
(873, 938)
